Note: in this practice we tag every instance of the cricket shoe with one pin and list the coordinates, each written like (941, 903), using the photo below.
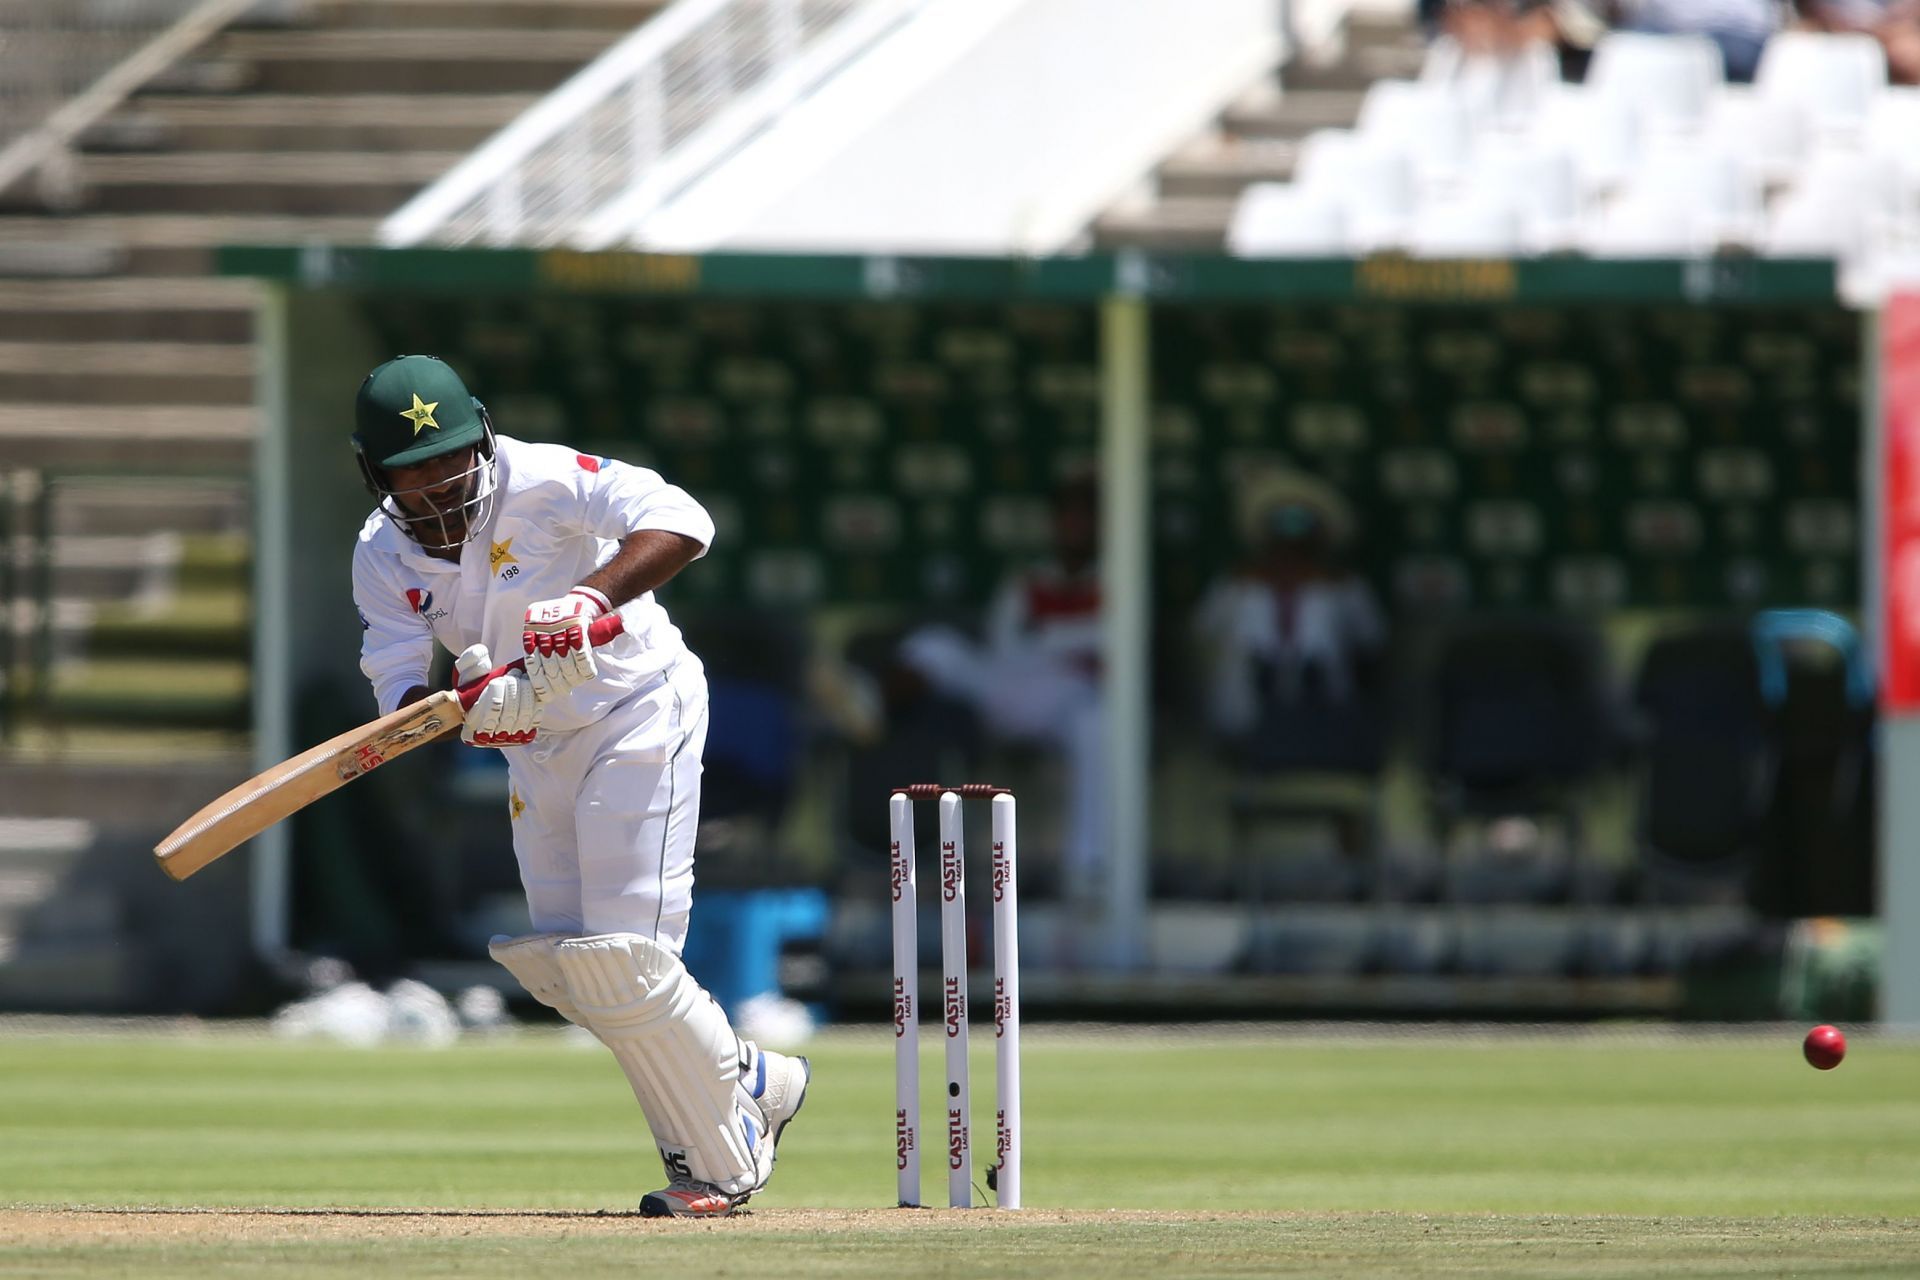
(686, 1199)
(779, 1085)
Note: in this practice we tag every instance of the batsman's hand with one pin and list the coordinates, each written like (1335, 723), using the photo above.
(504, 713)
(559, 652)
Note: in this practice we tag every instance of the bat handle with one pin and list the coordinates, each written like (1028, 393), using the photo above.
(602, 630)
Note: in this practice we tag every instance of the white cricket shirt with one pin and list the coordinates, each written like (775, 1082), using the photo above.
(559, 515)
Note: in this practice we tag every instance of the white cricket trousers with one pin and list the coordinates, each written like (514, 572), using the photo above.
(604, 816)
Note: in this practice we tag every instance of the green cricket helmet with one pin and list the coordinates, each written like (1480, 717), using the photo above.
(411, 410)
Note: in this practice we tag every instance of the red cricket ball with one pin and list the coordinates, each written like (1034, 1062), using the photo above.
(1824, 1047)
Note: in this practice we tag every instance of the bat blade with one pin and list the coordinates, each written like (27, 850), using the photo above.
(291, 785)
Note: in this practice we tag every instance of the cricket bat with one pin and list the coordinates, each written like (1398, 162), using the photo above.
(292, 785)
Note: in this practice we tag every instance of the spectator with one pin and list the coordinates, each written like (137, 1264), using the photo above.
(1894, 23)
(1291, 641)
(1036, 677)
(1499, 31)
(1739, 27)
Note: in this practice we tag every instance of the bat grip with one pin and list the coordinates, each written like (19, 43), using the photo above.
(602, 630)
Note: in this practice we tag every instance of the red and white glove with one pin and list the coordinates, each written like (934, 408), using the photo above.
(559, 652)
(504, 713)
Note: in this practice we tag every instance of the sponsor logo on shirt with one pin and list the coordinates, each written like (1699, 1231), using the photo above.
(588, 462)
(422, 601)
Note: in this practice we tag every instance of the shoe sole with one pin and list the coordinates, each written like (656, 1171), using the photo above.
(654, 1205)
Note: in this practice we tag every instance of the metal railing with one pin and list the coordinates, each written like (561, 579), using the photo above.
(642, 121)
(64, 64)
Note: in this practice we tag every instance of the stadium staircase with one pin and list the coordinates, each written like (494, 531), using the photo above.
(1189, 202)
(127, 418)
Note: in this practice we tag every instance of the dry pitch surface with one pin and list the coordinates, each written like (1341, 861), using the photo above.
(878, 1242)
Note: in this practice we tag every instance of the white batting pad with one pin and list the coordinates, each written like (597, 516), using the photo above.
(529, 959)
(686, 1066)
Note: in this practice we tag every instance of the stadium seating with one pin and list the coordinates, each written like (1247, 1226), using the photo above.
(1653, 156)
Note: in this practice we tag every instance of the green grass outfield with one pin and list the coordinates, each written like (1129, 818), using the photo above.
(1149, 1151)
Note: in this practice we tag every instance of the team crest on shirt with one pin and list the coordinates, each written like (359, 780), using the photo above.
(501, 553)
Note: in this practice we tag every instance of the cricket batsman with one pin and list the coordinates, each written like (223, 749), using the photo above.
(492, 546)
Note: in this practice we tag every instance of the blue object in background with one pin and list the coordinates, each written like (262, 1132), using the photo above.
(734, 940)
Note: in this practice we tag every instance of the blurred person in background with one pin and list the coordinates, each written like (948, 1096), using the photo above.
(479, 539)
(1291, 641)
(1894, 23)
(1035, 677)
(1502, 31)
(1739, 27)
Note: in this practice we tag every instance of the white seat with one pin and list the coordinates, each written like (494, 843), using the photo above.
(1639, 229)
(1540, 187)
(1476, 226)
(1370, 180)
(1663, 79)
(1684, 198)
(1773, 134)
(1828, 212)
(1430, 123)
(1892, 130)
(1830, 79)
(1598, 134)
(1324, 160)
(1278, 220)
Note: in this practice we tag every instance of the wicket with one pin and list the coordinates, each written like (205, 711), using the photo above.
(1004, 1176)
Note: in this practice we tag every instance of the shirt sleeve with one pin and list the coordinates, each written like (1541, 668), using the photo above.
(396, 644)
(621, 499)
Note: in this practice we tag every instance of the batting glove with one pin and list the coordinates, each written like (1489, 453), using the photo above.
(559, 654)
(504, 713)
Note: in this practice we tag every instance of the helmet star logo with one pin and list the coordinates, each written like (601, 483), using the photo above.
(421, 415)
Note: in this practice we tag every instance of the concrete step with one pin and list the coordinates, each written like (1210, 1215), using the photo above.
(100, 566)
(1189, 224)
(426, 61)
(192, 624)
(72, 620)
(261, 182)
(607, 15)
(118, 373)
(156, 793)
(171, 244)
(1359, 68)
(214, 437)
(125, 309)
(61, 257)
(1224, 167)
(203, 74)
(195, 624)
(148, 504)
(311, 122)
(210, 693)
(1267, 112)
